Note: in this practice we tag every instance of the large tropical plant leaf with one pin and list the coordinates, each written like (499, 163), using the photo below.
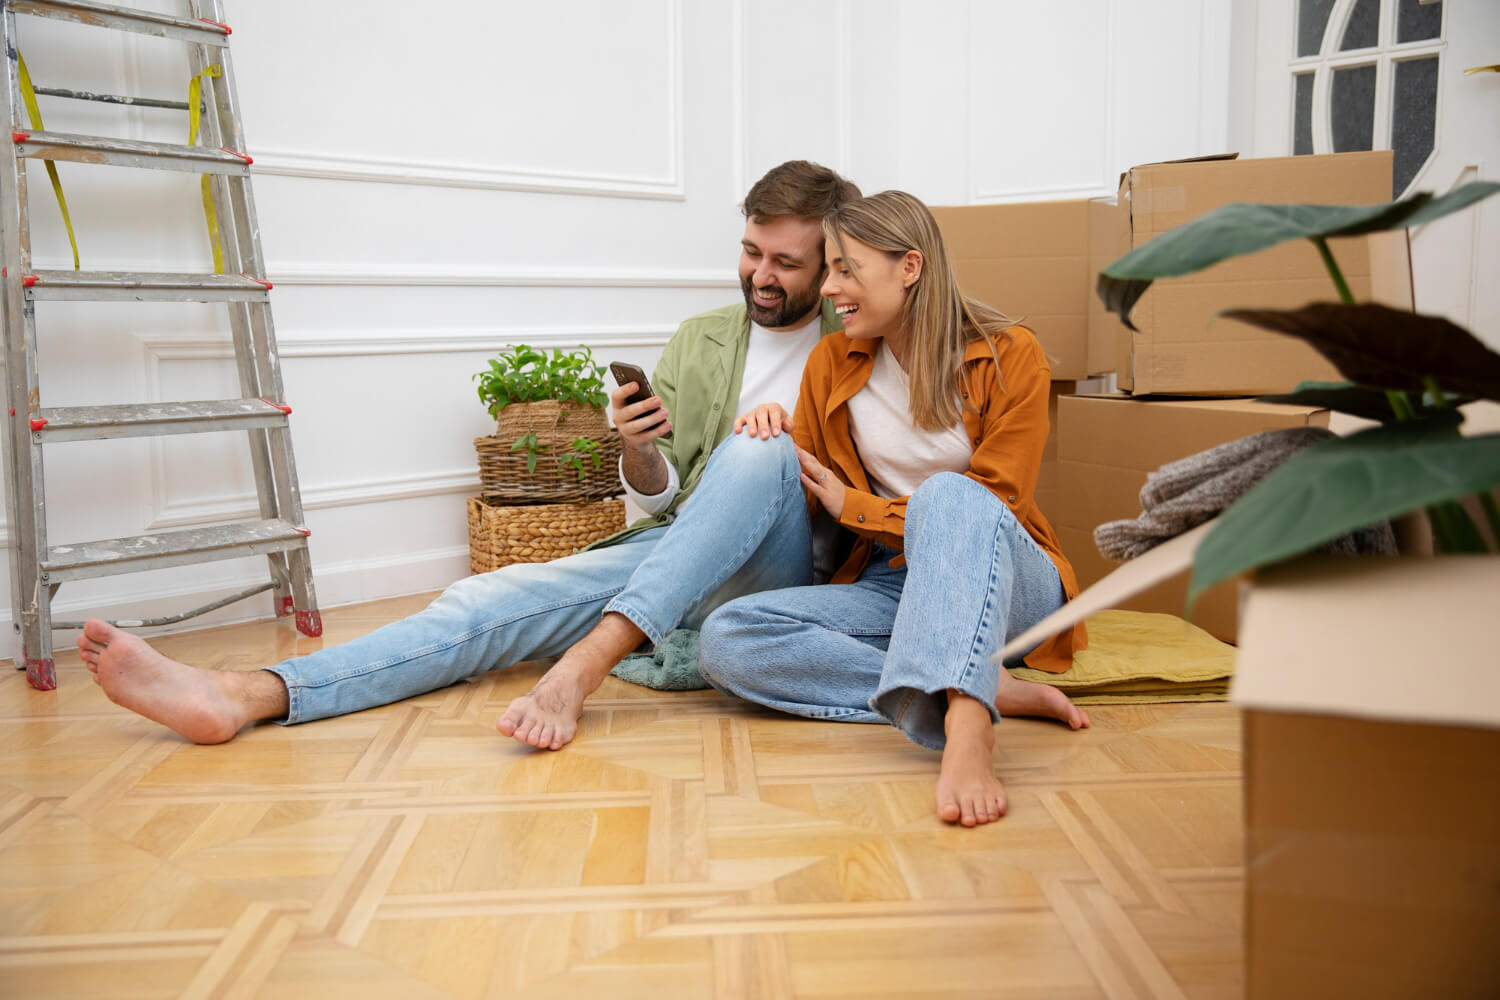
(1240, 228)
(1389, 348)
(1338, 486)
(1359, 400)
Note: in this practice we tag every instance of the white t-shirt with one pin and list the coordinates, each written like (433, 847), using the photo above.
(773, 374)
(898, 456)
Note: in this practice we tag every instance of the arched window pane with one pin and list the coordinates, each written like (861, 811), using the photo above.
(1363, 29)
(1416, 21)
(1353, 109)
(1302, 116)
(1312, 21)
(1413, 118)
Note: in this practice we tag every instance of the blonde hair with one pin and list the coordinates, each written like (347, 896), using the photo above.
(939, 320)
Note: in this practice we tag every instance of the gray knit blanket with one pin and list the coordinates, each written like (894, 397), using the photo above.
(1183, 494)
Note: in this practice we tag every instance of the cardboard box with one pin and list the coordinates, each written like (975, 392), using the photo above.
(1372, 768)
(1033, 261)
(1047, 478)
(1109, 444)
(1181, 344)
(1372, 778)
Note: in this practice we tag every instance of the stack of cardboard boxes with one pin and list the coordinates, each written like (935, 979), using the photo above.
(1371, 731)
(1187, 373)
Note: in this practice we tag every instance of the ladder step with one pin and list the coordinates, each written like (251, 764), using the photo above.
(88, 560)
(97, 423)
(144, 22)
(130, 153)
(146, 286)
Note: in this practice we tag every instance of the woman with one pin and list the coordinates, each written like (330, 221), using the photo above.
(919, 429)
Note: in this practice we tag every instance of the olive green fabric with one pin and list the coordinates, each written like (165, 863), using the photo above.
(698, 379)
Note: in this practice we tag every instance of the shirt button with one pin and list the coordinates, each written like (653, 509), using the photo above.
(716, 406)
(860, 518)
(976, 440)
(1011, 499)
(966, 395)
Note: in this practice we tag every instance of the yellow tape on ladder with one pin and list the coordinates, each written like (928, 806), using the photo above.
(28, 94)
(195, 99)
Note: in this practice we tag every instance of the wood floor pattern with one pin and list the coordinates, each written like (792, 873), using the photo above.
(686, 845)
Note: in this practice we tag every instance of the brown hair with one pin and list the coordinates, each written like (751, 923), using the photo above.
(797, 187)
(939, 320)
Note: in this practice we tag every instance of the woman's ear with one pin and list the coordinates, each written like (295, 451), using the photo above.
(911, 268)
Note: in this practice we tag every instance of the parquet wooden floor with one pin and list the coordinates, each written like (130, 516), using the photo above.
(685, 846)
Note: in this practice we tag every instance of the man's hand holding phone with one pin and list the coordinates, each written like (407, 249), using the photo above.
(638, 413)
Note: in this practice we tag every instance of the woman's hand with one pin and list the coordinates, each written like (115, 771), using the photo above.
(640, 423)
(767, 420)
(822, 483)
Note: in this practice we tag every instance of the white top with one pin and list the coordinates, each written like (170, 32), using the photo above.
(897, 455)
(773, 374)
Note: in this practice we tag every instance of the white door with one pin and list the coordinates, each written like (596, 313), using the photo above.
(1341, 75)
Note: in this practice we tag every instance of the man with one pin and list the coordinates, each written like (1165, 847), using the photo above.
(591, 608)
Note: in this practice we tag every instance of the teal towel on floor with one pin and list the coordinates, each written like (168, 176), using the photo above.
(672, 667)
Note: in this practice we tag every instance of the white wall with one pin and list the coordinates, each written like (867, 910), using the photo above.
(432, 187)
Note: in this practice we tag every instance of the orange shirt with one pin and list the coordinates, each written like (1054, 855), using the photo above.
(1008, 428)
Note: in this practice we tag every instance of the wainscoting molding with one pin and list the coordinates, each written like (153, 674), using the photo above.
(313, 273)
(188, 512)
(371, 343)
(168, 513)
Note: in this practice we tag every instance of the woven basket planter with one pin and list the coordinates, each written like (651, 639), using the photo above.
(555, 424)
(503, 476)
(500, 535)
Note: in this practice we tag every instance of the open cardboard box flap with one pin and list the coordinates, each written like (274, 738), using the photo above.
(1407, 639)
(1156, 566)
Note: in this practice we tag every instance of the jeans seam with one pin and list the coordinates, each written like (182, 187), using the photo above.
(636, 618)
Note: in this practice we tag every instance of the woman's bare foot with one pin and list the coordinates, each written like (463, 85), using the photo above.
(967, 790)
(1017, 697)
(205, 706)
(547, 715)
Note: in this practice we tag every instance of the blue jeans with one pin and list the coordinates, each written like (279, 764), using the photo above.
(745, 529)
(888, 647)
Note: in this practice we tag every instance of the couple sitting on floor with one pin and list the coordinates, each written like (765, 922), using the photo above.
(918, 430)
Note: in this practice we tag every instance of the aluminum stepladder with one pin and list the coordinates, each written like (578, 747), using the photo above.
(37, 568)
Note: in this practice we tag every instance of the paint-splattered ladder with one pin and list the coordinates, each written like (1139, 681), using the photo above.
(37, 568)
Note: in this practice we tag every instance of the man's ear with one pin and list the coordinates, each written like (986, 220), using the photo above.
(911, 268)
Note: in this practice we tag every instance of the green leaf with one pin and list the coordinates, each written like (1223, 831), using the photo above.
(1388, 348)
(1240, 228)
(1344, 484)
(1345, 397)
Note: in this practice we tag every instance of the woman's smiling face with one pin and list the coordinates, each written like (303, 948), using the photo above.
(868, 287)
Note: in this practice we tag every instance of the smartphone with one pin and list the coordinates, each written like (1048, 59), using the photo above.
(625, 372)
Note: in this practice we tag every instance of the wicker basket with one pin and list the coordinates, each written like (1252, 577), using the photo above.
(503, 476)
(555, 424)
(501, 535)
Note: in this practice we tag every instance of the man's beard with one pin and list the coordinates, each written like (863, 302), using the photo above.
(784, 313)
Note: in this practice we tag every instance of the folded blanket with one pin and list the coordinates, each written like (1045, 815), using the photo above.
(1183, 494)
(1133, 658)
(1137, 657)
(672, 666)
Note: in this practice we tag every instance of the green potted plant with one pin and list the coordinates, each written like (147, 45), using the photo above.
(1407, 371)
(547, 475)
(559, 395)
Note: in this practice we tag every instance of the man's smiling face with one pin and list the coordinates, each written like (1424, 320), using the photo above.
(781, 269)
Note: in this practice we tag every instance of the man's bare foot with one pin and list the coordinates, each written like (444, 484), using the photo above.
(547, 715)
(967, 790)
(205, 706)
(1017, 697)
